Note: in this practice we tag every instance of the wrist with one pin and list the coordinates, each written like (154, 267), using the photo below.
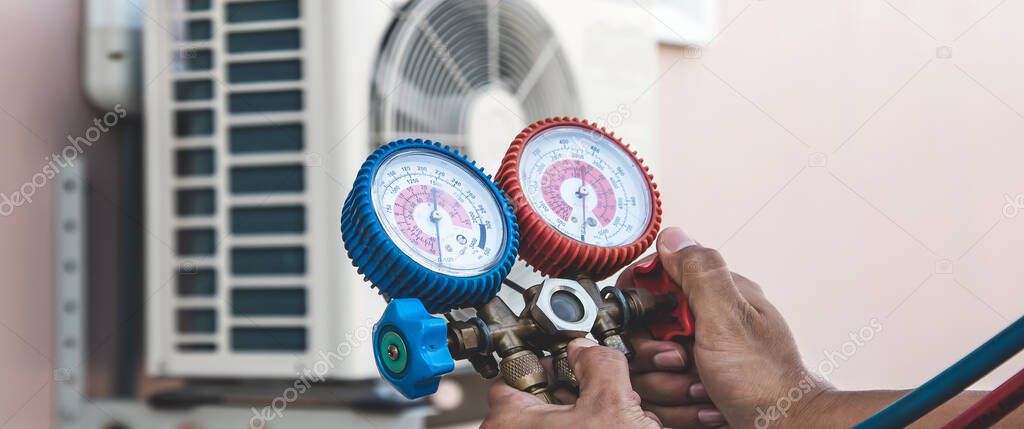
(806, 400)
(815, 410)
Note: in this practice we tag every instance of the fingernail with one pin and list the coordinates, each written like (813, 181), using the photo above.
(669, 360)
(710, 417)
(697, 391)
(673, 239)
(582, 343)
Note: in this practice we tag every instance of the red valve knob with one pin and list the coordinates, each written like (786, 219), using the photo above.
(667, 325)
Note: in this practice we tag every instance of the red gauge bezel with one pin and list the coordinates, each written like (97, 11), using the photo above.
(545, 248)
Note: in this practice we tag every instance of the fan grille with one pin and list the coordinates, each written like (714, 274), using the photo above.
(442, 55)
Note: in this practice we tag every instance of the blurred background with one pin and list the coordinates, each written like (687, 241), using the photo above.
(174, 170)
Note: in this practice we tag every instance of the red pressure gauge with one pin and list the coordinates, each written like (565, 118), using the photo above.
(584, 202)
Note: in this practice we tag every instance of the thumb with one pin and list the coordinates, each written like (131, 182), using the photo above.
(602, 372)
(702, 273)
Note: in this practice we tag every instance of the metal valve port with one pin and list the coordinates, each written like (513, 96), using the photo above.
(563, 309)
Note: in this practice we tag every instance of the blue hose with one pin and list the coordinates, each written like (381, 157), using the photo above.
(950, 382)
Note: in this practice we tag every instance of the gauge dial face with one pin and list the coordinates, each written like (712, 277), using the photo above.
(439, 212)
(586, 186)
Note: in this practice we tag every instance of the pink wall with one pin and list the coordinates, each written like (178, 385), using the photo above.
(41, 104)
(751, 163)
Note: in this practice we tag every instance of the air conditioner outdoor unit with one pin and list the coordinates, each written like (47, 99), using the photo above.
(259, 112)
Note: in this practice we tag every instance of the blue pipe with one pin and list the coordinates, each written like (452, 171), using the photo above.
(950, 382)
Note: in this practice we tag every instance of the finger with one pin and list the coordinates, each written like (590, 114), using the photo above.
(702, 273)
(654, 355)
(753, 293)
(687, 416)
(508, 407)
(501, 395)
(639, 332)
(625, 279)
(602, 373)
(561, 394)
(750, 290)
(665, 388)
(652, 416)
(564, 396)
(549, 370)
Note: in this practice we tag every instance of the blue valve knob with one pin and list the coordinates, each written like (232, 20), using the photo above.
(411, 348)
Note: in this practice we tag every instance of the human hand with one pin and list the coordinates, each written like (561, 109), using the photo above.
(668, 387)
(606, 397)
(743, 352)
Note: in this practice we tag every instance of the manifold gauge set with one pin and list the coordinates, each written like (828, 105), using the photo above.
(433, 233)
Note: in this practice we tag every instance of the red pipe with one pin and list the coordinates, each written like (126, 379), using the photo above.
(993, 407)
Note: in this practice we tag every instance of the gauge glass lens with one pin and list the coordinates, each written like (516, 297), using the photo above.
(439, 212)
(586, 186)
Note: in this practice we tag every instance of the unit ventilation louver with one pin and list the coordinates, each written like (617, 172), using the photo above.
(239, 92)
(443, 58)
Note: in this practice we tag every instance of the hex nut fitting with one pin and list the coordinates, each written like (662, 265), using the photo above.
(543, 313)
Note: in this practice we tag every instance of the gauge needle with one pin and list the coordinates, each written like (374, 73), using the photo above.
(582, 193)
(435, 217)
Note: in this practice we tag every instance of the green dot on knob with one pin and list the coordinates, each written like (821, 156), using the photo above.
(393, 352)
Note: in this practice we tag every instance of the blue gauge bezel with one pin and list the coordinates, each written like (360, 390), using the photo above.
(395, 274)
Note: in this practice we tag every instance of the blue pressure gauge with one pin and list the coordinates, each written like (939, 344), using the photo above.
(432, 233)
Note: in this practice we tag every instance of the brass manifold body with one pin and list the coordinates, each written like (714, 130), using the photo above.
(519, 340)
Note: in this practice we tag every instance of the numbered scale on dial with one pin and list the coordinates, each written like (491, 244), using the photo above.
(586, 203)
(590, 190)
(439, 213)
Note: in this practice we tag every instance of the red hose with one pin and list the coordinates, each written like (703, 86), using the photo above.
(993, 407)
